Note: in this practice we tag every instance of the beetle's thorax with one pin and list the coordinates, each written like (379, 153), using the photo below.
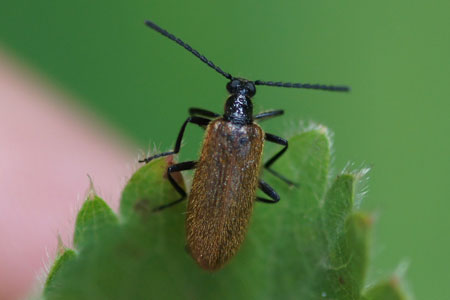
(239, 106)
(239, 109)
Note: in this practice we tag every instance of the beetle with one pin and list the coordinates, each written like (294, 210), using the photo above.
(227, 174)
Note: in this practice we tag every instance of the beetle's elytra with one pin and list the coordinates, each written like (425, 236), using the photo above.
(223, 190)
(228, 171)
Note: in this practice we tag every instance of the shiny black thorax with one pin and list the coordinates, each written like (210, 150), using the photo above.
(239, 106)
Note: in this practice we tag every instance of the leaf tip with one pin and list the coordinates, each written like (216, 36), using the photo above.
(91, 194)
(323, 129)
(60, 248)
(63, 255)
(361, 179)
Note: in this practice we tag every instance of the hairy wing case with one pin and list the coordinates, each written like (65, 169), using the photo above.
(223, 192)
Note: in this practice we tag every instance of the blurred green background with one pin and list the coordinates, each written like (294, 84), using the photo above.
(394, 55)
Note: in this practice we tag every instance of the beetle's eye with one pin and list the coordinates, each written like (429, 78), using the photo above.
(233, 86)
(250, 87)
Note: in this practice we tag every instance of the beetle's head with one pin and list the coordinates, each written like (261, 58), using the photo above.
(240, 86)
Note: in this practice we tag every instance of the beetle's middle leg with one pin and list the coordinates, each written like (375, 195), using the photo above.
(195, 120)
(280, 141)
(184, 166)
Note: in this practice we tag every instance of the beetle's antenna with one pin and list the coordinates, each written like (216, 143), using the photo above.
(332, 88)
(188, 48)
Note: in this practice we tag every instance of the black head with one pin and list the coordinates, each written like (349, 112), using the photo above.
(239, 86)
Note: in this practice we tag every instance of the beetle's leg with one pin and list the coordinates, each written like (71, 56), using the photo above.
(277, 140)
(269, 191)
(268, 114)
(195, 120)
(188, 165)
(202, 112)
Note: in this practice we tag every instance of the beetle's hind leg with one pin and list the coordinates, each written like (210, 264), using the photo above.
(269, 191)
(184, 166)
(195, 120)
(280, 141)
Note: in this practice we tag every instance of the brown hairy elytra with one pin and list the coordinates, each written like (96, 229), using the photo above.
(228, 171)
(223, 191)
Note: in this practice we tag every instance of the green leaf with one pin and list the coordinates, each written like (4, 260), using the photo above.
(284, 244)
(94, 217)
(140, 258)
(349, 258)
(338, 205)
(386, 290)
(148, 188)
(63, 257)
(310, 245)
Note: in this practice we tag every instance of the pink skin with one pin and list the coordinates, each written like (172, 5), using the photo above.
(47, 147)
